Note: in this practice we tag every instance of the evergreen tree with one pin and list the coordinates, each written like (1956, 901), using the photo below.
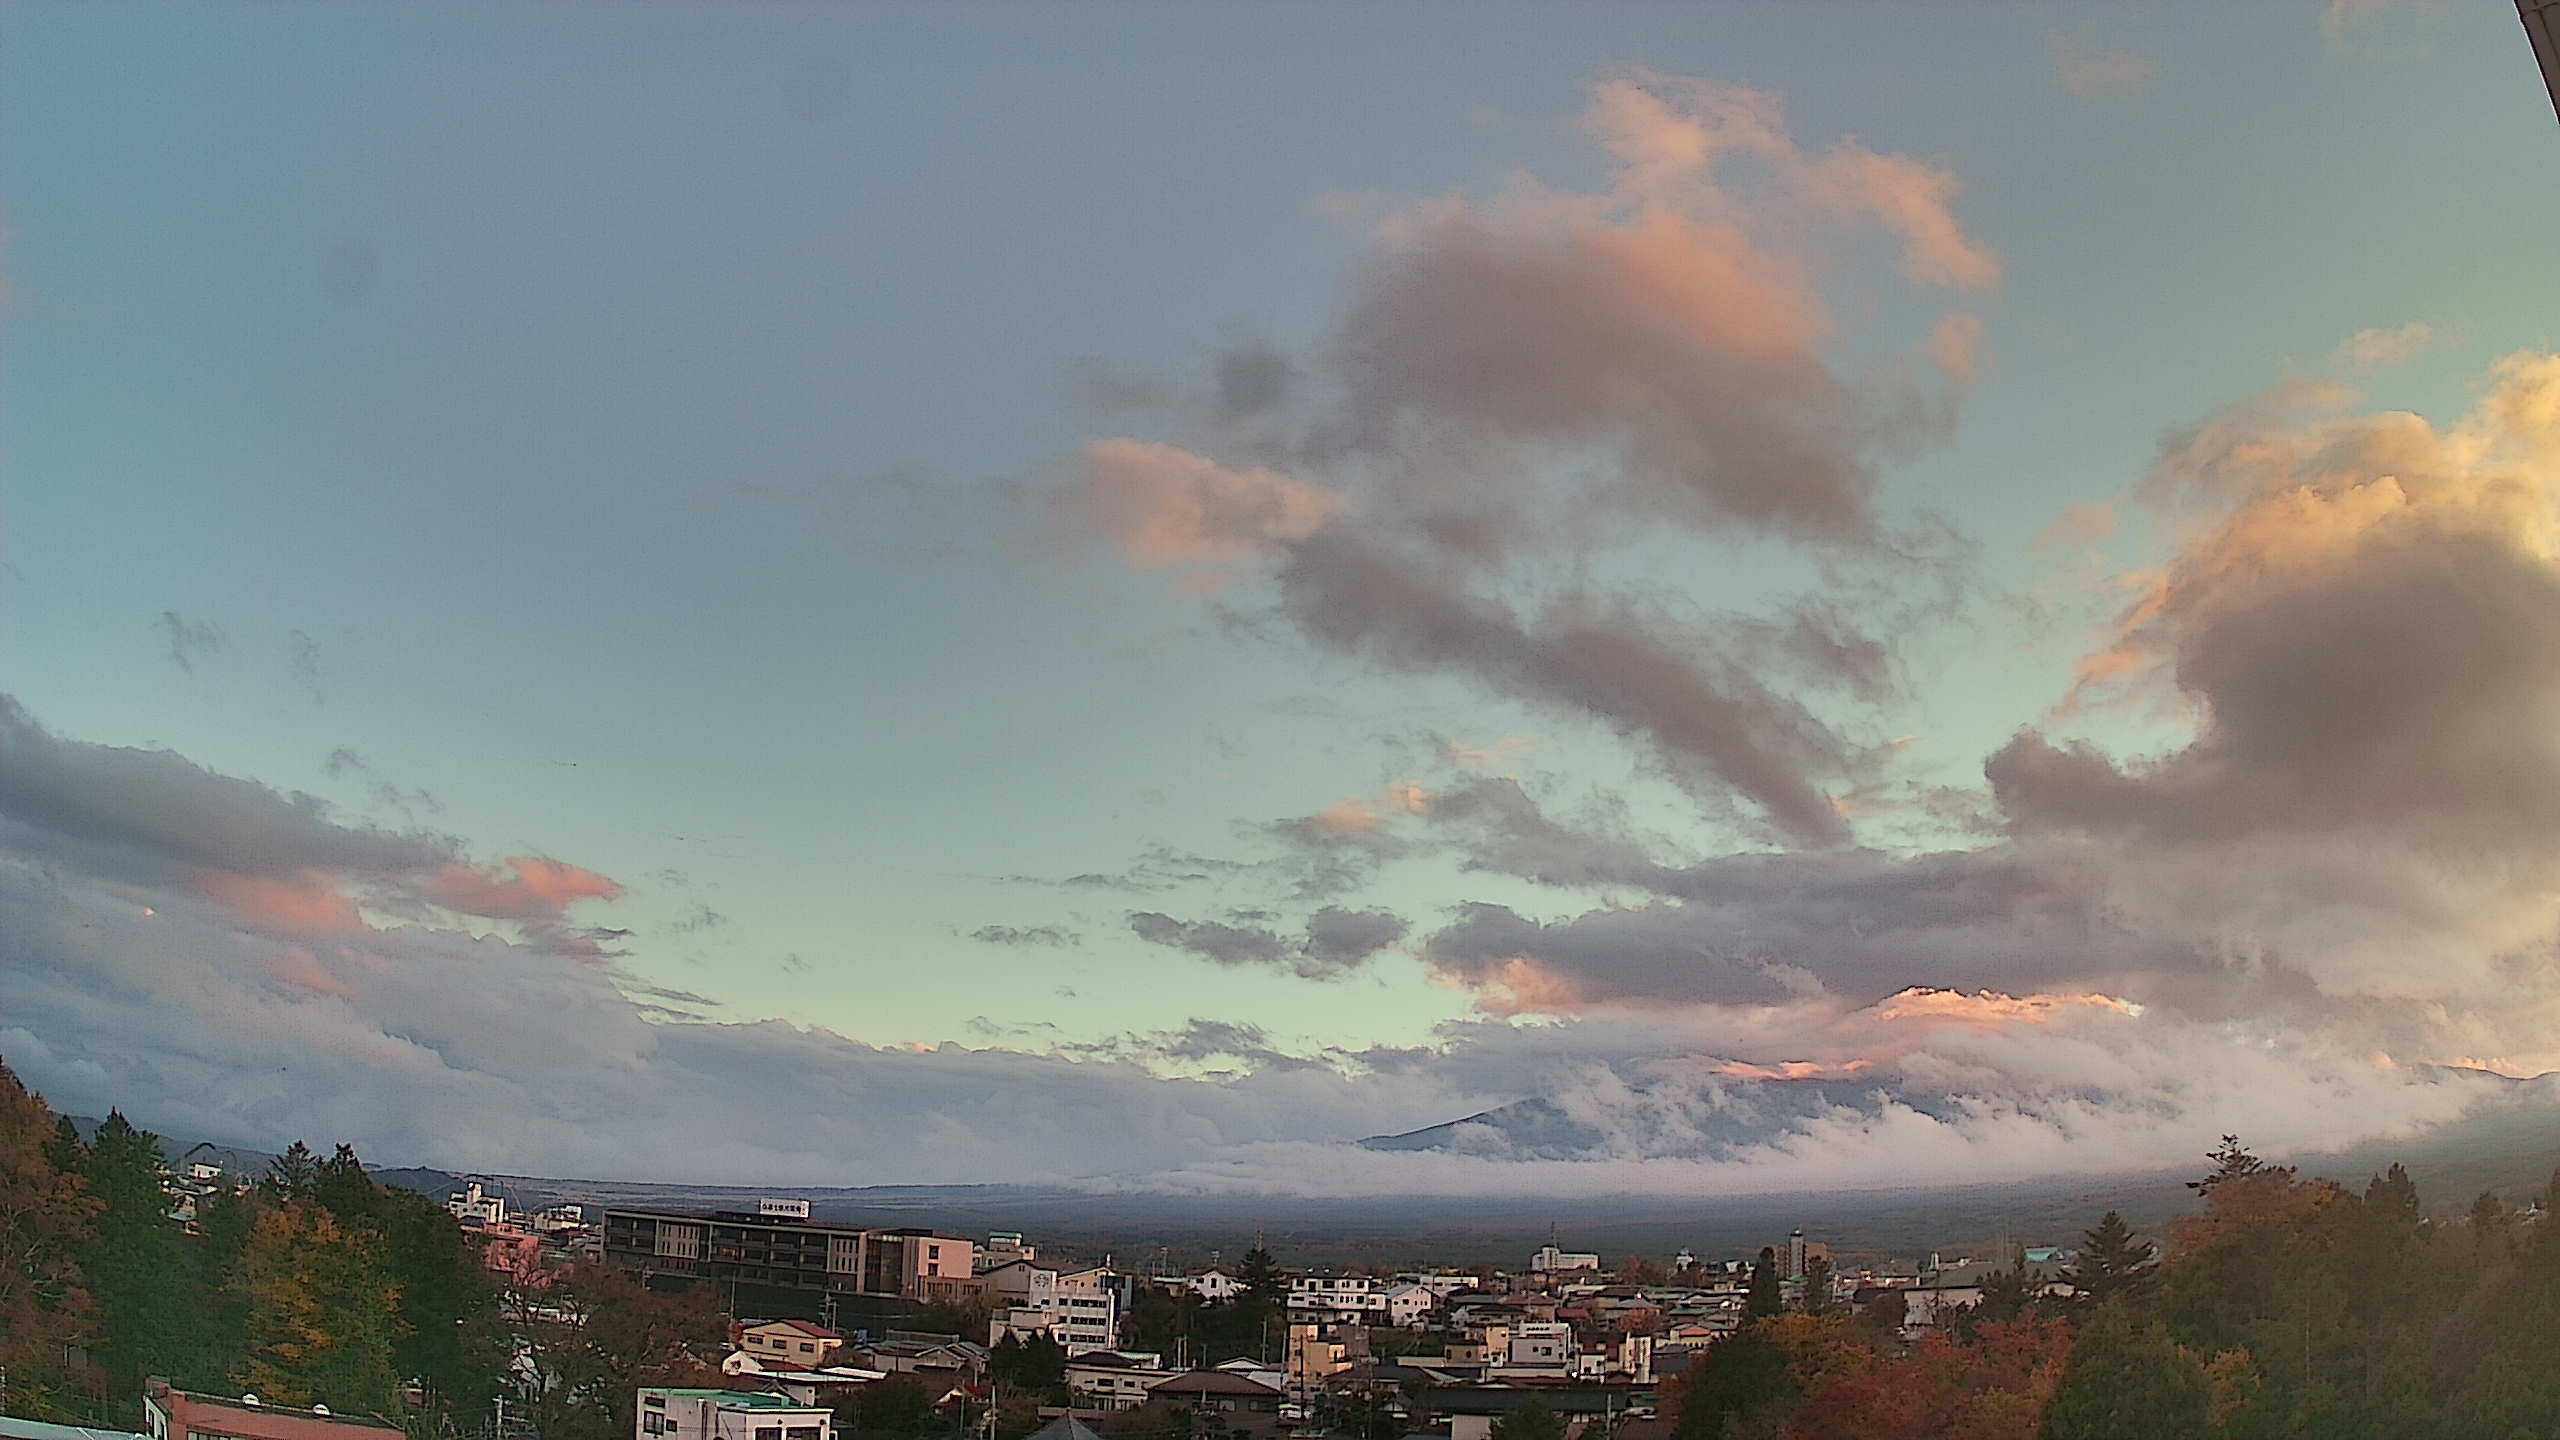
(223, 1222)
(45, 1219)
(448, 1332)
(1259, 1276)
(2006, 1293)
(899, 1405)
(2111, 1260)
(2490, 1220)
(1743, 1376)
(1768, 1294)
(1532, 1421)
(2128, 1380)
(291, 1175)
(1261, 1296)
(1035, 1367)
(138, 1272)
(1819, 1298)
(2393, 1196)
(320, 1313)
(2231, 1161)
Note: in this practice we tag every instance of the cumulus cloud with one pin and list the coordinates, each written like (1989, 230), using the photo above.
(136, 984)
(1518, 385)
(2363, 618)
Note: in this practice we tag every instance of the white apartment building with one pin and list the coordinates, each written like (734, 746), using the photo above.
(689, 1414)
(474, 1206)
(1360, 1300)
(1088, 1310)
(1540, 1345)
(1550, 1261)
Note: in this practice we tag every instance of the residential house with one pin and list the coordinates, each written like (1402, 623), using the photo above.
(824, 1389)
(1215, 1285)
(1442, 1283)
(693, 1414)
(1217, 1403)
(926, 1355)
(1539, 1348)
(787, 1344)
(1113, 1380)
(1943, 1291)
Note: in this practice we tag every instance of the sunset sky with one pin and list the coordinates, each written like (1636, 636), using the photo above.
(921, 593)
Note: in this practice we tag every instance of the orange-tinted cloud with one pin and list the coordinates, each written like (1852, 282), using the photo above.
(1163, 505)
(1349, 817)
(1955, 347)
(533, 888)
(307, 902)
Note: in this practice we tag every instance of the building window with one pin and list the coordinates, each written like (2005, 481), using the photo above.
(768, 1432)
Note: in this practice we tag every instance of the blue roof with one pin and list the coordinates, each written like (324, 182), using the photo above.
(14, 1428)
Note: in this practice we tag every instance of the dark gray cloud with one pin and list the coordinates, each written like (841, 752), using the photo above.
(189, 640)
(1335, 941)
(1339, 938)
(156, 808)
(302, 660)
(1714, 724)
(1019, 935)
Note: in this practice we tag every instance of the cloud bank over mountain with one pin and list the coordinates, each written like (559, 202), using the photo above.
(2330, 872)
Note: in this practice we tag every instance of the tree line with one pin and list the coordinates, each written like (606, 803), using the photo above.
(316, 1285)
(2284, 1308)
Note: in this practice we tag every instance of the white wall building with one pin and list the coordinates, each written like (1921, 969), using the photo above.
(1110, 1380)
(475, 1206)
(1359, 1300)
(1540, 1345)
(686, 1414)
(1088, 1311)
(1215, 1285)
(1549, 1260)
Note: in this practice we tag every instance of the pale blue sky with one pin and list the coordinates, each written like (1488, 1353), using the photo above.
(642, 274)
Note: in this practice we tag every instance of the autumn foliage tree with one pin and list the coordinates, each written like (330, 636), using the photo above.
(597, 1335)
(321, 1323)
(46, 1217)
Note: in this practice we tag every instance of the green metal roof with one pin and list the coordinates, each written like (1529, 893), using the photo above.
(745, 1399)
